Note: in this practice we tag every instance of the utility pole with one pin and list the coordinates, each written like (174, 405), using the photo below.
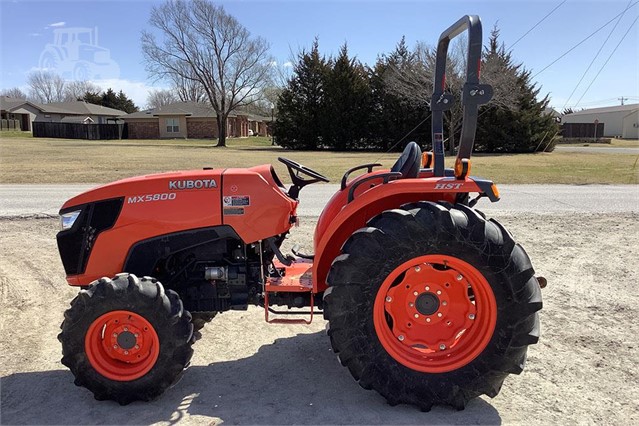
(622, 99)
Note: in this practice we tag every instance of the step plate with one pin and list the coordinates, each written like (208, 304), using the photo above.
(298, 278)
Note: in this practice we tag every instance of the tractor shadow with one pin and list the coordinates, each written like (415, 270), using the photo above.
(293, 381)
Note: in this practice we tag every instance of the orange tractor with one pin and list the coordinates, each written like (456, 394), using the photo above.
(427, 301)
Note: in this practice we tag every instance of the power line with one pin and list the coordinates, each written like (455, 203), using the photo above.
(540, 21)
(609, 56)
(597, 54)
(583, 41)
(602, 101)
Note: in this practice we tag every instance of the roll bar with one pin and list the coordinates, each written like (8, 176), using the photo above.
(473, 93)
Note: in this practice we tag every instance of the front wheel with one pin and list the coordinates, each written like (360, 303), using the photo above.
(432, 304)
(126, 339)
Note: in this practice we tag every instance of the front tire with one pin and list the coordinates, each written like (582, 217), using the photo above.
(432, 304)
(126, 339)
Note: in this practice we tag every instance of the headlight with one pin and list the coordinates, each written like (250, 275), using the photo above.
(68, 219)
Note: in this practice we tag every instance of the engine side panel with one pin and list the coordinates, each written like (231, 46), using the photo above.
(153, 205)
(254, 205)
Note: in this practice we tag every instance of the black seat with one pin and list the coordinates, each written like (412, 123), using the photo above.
(409, 163)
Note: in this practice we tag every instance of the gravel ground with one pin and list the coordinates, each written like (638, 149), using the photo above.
(584, 369)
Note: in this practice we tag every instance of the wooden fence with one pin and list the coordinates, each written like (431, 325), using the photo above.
(79, 130)
(582, 130)
(6, 124)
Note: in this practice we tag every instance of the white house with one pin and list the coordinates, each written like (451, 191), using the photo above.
(619, 121)
(631, 125)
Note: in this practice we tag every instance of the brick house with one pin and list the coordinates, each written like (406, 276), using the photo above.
(190, 120)
(259, 124)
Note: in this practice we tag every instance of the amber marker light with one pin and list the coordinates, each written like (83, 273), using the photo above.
(495, 190)
(427, 160)
(462, 168)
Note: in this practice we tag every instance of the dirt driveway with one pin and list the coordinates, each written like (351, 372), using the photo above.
(584, 370)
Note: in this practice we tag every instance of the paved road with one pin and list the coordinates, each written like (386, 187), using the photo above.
(35, 200)
(598, 149)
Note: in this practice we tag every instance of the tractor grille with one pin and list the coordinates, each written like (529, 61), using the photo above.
(75, 244)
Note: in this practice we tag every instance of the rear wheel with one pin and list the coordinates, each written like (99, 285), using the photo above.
(432, 304)
(126, 339)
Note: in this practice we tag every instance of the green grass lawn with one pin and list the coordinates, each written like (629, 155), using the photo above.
(15, 134)
(41, 160)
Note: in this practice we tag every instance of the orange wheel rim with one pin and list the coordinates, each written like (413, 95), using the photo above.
(435, 313)
(122, 345)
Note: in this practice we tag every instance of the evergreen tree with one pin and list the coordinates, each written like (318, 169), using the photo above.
(110, 100)
(393, 116)
(523, 128)
(302, 104)
(92, 98)
(347, 104)
(125, 104)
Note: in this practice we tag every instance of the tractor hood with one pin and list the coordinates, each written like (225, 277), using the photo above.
(141, 187)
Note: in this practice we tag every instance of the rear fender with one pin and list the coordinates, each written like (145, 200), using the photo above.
(375, 200)
(339, 200)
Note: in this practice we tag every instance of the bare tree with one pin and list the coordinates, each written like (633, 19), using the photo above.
(75, 90)
(15, 93)
(45, 87)
(271, 95)
(186, 85)
(159, 98)
(202, 43)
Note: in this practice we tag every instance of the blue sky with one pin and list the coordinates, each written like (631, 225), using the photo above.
(369, 28)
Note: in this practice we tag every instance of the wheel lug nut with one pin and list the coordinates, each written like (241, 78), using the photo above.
(126, 329)
(459, 277)
(415, 293)
(417, 269)
(137, 346)
(427, 319)
(427, 288)
(400, 337)
(442, 347)
(126, 352)
(439, 292)
(136, 334)
(444, 303)
(389, 299)
(411, 304)
(115, 334)
(471, 316)
(416, 315)
(439, 314)
(115, 346)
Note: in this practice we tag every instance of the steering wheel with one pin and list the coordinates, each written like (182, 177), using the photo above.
(294, 169)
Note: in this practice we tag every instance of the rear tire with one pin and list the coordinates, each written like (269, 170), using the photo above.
(126, 339)
(432, 304)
